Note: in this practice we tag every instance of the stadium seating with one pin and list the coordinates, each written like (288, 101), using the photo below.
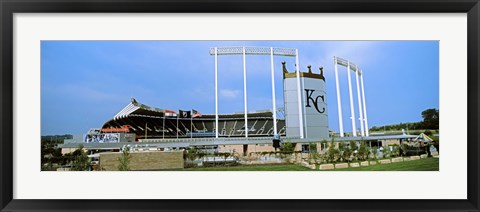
(231, 125)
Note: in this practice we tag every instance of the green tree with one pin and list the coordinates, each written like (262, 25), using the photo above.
(312, 151)
(395, 150)
(363, 151)
(374, 151)
(323, 145)
(50, 153)
(81, 162)
(124, 160)
(332, 152)
(431, 118)
(344, 152)
(354, 148)
(312, 147)
(192, 154)
(404, 148)
(386, 151)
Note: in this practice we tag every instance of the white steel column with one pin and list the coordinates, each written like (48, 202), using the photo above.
(274, 109)
(305, 113)
(360, 112)
(245, 92)
(216, 93)
(364, 106)
(352, 111)
(299, 94)
(339, 101)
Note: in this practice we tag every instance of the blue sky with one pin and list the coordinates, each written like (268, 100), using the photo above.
(85, 83)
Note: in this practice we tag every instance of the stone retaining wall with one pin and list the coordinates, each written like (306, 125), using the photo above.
(326, 166)
(341, 165)
(368, 163)
(143, 161)
(354, 165)
(396, 160)
(364, 163)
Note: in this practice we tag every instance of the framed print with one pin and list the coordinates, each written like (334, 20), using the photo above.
(255, 106)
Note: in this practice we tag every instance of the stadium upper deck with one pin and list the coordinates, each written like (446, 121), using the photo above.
(150, 122)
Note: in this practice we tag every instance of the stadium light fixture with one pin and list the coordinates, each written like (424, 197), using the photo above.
(361, 98)
(256, 50)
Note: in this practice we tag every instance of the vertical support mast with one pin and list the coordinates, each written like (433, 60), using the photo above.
(305, 114)
(216, 93)
(364, 106)
(352, 111)
(360, 112)
(274, 107)
(299, 94)
(191, 124)
(339, 101)
(288, 52)
(245, 92)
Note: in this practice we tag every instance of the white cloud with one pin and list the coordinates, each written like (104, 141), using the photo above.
(228, 93)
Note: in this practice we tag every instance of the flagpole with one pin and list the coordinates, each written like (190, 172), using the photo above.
(191, 124)
(177, 126)
(163, 127)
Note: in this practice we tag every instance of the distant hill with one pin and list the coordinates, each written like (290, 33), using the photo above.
(398, 127)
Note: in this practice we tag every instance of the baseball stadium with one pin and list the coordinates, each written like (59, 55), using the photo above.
(302, 120)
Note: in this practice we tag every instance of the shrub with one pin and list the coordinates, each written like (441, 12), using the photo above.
(287, 147)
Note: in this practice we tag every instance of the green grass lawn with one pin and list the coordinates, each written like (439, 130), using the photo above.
(272, 167)
(427, 164)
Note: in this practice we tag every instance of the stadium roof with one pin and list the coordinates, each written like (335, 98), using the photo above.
(134, 108)
(137, 108)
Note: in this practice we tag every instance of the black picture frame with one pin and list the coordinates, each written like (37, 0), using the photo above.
(10, 7)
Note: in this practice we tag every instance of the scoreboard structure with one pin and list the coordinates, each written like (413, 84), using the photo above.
(313, 104)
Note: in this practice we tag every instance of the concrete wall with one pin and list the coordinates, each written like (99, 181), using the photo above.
(290, 94)
(155, 160)
(250, 148)
(263, 147)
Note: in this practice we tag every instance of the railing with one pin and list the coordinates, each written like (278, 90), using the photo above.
(190, 140)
